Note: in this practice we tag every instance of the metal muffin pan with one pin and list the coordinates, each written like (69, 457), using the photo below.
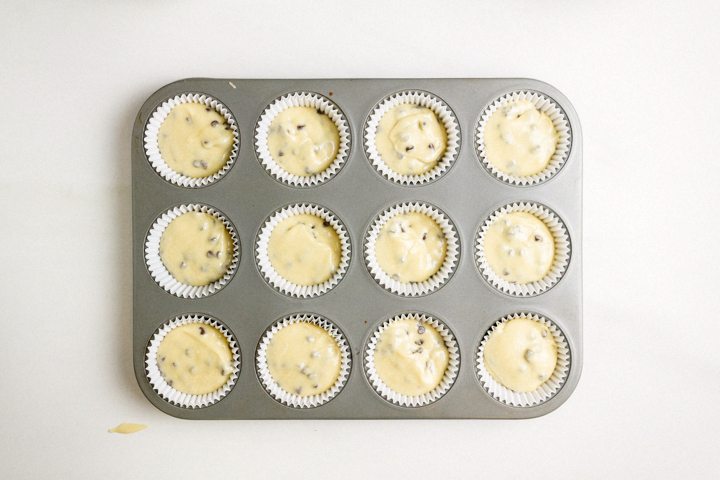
(467, 193)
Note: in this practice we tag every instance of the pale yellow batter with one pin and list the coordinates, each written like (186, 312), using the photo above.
(195, 358)
(304, 249)
(126, 428)
(196, 248)
(303, 140)
(519, 248)
(411, 357)
(521, 354)
(410, 247)
(195, 140)
(303, 359)
(519, 140)
(410, 139)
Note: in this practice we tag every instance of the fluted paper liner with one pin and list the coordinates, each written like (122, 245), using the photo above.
(153, 151)
(274, 278)
(301, 99)
(413, 289)
(560, 261)
(545, 105)
(167, 392)
(545, 391)
(443, 113)
(413, 400)
(157, 268)
(290, 399)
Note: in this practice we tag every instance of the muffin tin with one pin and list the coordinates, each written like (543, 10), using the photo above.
(467, 193)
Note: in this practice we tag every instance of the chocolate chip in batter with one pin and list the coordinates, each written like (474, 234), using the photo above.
(298, 390)
(214, 123)
(280, 153)
(407, 149)
(174, 364)
(431, 146)
(538, 238)
(421, 329)
(214, 239)
(300, 127)
(419, 350)
(205, 142)
(419, 342)
(506, 272)
(189, 120)
(183, 264)
(202, 331)
(424, 237)
(169, 382)
(210, 254)
(222, 372)
(315, 385)
(326, 223)
(227, 128)
(320, 112)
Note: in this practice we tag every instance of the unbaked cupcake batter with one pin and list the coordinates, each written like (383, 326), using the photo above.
(521, 354)
(410, 139)
(303, 140)
(411, 357)
(304, 249)
(195, 358)
(195, 140)
(303, 359)
(519, 139)
(519, 248)
(410, 247)
(196, 248)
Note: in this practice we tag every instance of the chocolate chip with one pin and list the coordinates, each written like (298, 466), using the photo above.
(407, 149)
(162, 359)
(214, 239)
(280, 153)
(506, 272)
(419, 342)
(189, 120)
(169, 382)
(315, 386)
(402, 229)
(431, 146)
(202, 331)
(320, 112)
(300, 127)
(214, 123)
(211, 254)
(421, 329)
(419, 350)
(424, 237)
(205, 142)
(312, 226)
(174, 364)
(222, 372)
(207, 109)
(183, 264)
(538, 238)
(227, 128)
(298, 390)
(326, 223)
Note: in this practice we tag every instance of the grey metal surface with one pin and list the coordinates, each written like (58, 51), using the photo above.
(467, 304)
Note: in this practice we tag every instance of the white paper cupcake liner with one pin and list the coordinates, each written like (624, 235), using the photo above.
(413, 400)
(153, 151)
(157, 268)
(301, 99)
(167, 392)
(544, 104)
(560, 261)
(287, 287)
(545, 391)
(413, 289)
(444, 114)
(290, 399)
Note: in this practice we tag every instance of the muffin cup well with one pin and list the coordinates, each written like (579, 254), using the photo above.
(273, 278)
(168, 393)
(444, 114)
(290, 399)
(159, 272)
(153, 151)
(560, 261)
(413, 400)
(301, 99)
(442, 276)
(545, 105)
(545, 391)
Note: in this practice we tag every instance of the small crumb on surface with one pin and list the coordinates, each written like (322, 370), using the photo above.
(126, 428)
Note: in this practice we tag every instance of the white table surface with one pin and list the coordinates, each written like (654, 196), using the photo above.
(643, 77)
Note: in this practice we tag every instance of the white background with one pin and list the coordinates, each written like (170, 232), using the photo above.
(643, 77)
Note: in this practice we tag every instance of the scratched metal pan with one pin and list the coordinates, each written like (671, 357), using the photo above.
(247, 194)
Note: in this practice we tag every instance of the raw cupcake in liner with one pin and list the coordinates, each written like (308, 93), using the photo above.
(160, 273)
(560, 261)
(301, 99)
(413, 400)
(274, 278)
(167, 392)
(545, 391)
(290, 399)
(153, 151)
(444, 114)
(545, 105)
(413, 289)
